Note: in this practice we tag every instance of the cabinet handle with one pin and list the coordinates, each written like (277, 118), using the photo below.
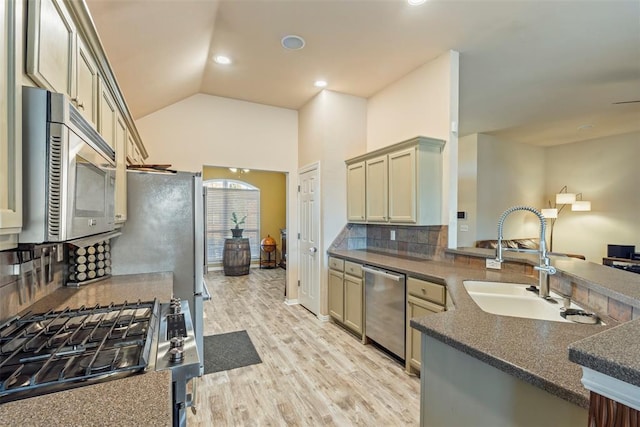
(118, 216)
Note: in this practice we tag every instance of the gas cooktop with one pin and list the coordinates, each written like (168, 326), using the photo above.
(57, 350)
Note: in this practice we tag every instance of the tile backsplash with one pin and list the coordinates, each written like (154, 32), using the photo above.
(35, 285)
(427, 242)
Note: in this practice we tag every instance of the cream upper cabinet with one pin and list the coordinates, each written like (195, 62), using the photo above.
(106, 115)
(403, 183)
(121, 170)
(10, 130)
(86, 95)
(51, 50)
(356, 192)
(376, 189)
(402, 186)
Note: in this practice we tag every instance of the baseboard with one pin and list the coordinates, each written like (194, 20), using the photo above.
(324, 317)
(291, 301)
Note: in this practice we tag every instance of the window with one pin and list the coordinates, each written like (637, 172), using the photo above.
(225, 196)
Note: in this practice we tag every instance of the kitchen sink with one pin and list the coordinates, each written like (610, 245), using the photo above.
(513, 299)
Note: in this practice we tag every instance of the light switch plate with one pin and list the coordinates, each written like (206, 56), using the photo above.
(392, 234)
(464, 227)
(493, 264)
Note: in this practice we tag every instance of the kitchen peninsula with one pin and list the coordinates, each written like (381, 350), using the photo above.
(533, 352)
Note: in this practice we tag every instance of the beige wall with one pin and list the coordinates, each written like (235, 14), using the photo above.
(508, 174)
(332, 129)
(424, 102)
(273, 197)
(211, 130)
(605, 170)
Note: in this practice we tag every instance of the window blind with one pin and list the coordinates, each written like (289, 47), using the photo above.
(224, 197)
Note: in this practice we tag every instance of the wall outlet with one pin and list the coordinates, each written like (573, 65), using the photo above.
(493, 264)
(392, 234)
(464, 227)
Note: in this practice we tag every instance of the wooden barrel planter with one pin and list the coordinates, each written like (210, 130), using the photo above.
(236, 257)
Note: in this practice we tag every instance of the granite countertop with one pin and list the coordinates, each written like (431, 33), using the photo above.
(142, 400)
(532, 350)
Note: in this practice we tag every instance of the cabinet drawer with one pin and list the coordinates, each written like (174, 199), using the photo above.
(426, 290)
(336, 264)
(353, 269)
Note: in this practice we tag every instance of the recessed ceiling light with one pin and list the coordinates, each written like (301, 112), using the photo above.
(221, 59)
(416, 2)
(320, 83)
(292, 42)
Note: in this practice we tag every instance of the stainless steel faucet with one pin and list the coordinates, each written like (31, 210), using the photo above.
(545, 269)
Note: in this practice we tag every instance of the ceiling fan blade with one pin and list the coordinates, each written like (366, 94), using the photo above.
(625, 102)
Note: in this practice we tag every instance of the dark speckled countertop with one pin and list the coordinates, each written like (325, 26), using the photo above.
(532, 350)
(140, 400)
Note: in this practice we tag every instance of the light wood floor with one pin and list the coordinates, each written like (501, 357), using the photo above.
(312, 373)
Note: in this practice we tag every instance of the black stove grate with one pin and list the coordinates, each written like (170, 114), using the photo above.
(45, 352)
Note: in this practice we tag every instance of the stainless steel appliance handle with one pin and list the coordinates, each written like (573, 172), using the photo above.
(386, 274)
(206, 295)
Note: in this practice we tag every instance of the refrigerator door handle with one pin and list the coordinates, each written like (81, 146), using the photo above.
(206, 295)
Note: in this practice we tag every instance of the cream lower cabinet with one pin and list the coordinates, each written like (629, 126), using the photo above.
(353, 295)
(346, 294)
(336, 295)
(423, 299)
(403, 183)
(10, 130)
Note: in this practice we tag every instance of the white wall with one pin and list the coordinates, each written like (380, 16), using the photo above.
(468, 189)
(509, 174)
(605, 170)
(332, 128)
(424, 102)
(215, 131)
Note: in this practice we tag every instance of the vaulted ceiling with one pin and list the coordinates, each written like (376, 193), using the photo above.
(540, 72)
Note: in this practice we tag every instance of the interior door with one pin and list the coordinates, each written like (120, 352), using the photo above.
(309, 208)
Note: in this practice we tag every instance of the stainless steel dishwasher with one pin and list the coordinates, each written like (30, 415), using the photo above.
(384, 296)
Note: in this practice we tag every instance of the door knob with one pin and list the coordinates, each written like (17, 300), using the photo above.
(313, 250)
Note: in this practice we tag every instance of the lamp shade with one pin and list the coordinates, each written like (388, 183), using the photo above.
(549, 213)
(581, 205)
(565, 198)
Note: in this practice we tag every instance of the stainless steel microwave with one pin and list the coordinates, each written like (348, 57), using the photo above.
(68, 171)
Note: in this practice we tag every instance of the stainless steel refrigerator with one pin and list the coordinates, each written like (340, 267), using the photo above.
(165, 232)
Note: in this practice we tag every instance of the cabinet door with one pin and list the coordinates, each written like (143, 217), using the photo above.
(107, 115)
(121, 170)
(353, 303)
(51, 46)
(417, 307)
(10, 131)
(376, 194)
(402, 186)
(356, 192)
(336, 295)
(86, 97)
(131, 145)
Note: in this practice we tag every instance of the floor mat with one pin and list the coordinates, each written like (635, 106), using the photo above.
(229, 351)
